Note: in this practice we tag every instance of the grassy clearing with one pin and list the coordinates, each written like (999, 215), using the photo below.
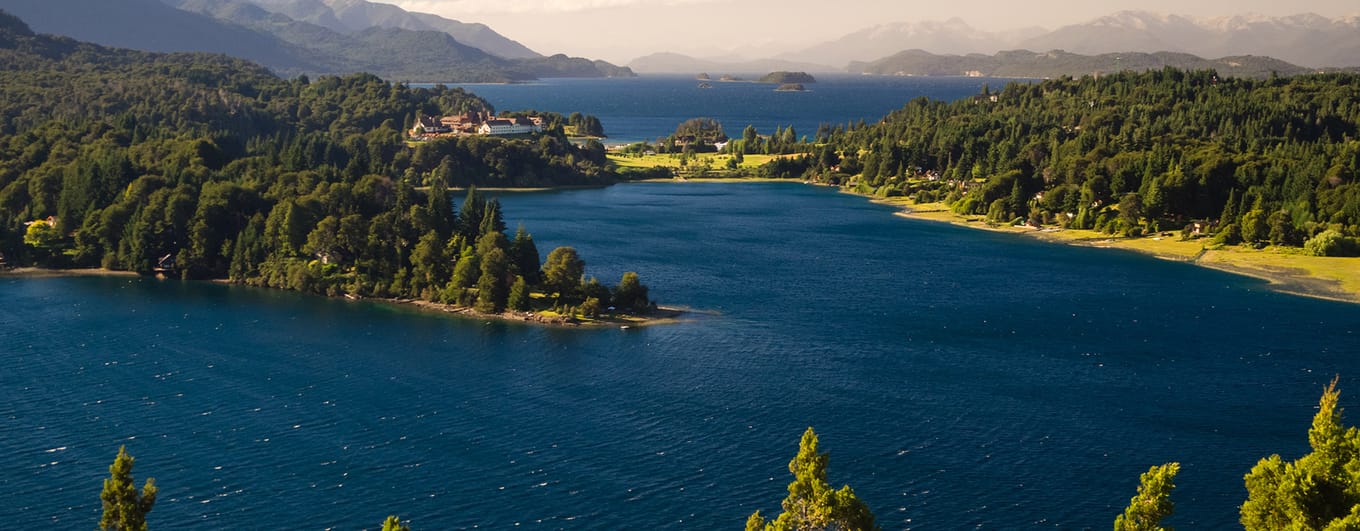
(715, 161)
(1279, 264)
(1286, 268)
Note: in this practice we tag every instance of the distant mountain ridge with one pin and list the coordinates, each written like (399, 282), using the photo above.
(953, 36)
(347, 16)
(245, 29)
(1027, 64)
(150, 25)
(1306, 39)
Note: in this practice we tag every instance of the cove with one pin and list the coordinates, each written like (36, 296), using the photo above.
(959, 378)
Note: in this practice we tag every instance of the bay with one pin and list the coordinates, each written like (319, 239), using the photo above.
(649, 107)
(958, 378)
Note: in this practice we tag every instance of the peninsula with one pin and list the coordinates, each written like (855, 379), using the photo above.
(338, 186)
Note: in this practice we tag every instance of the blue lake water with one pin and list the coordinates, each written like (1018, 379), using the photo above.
(959, 379)
(648, 107)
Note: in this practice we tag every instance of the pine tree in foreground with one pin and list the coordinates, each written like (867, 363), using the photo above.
(1320, 490)
(1153, 502)
(812, 504)
(124, 508)
(394, 524)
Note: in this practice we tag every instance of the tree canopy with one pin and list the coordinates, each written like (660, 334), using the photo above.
(1262, 162)
(812, 504)
(203, 166)
(1153, 502)
(125, 507)
(1320, 490)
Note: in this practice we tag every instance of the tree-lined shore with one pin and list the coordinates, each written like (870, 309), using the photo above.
(204, 167)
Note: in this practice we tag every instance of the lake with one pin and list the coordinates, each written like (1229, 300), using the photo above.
(649, 107)
(958, 378)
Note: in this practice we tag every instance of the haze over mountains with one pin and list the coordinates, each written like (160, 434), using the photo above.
(295, 37)
(308, 36)
(1307, 39)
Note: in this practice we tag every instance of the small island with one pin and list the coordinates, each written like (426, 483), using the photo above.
(703, 76)
(790, 87)
(783, 77)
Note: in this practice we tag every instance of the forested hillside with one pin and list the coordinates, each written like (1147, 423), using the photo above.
(211, 167)
(1256, 161)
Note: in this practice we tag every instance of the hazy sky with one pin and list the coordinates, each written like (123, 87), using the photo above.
(621, 30)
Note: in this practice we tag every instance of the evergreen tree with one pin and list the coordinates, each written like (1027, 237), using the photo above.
(524, 256)
(467, 270)
(429, 265)
(593, 289)
(1229, 214)
(470, 216)
(491, 219)
(124, 507)
(518, 300)
(394, 524)
(812, 504)
(1018, 202)
(1320, 490)
(441, 207)
(491, 288)
(1153, 502)
(750, 140)
(630, 294)
(562, 273)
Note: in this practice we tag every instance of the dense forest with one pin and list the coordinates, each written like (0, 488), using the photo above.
(204, 166)
(1271, 161)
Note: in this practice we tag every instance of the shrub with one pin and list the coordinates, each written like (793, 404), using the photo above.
(1331, 242)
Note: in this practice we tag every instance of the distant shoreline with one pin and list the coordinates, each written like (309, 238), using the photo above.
(661, 315)
(39, 272)
(1291, 273)
(1286, 271)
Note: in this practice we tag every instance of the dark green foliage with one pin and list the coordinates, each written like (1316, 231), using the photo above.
(518, 299)
(585, 125)
(1331, 243)
(562, 274)
(699, 131)
(630, 294)
(492, 288)
(125, 507)
(1257, 161)
(593, 289)
(524, 256)
(202, 166)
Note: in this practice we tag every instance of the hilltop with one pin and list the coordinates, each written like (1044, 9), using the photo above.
(1027, 64)
(334, 38)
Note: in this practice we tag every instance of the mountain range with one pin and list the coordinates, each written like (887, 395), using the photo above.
(1309, 40)
(295, 37)
(1027, 64)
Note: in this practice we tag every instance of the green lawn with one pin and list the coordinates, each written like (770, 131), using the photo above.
(715, 161)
